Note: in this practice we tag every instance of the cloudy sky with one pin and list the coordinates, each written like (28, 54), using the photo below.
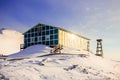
(91, 18)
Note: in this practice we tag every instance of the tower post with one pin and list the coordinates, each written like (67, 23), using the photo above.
(99, 50)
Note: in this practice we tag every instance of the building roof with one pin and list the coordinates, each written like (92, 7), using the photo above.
(60, 29)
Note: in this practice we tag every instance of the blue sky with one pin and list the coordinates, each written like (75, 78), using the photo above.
(91, 18)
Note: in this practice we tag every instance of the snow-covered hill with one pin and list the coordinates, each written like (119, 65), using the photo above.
(10, 41)
(82, 66)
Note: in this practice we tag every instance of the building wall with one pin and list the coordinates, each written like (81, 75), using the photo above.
(51, 36)
(41, 34)
(68, 39)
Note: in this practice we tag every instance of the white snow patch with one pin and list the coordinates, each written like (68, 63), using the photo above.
(10, 41)
(59, 67)
(32, 51)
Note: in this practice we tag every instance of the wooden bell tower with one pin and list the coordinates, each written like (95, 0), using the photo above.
(99, 50)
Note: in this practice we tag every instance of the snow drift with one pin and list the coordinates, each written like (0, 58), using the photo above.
(32, 51)
(59, 67)
(10, 41)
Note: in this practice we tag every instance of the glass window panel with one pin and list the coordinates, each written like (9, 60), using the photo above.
(55, 36)
(39, 39)
(39, 42)
(51, 42)
(55, 31)
(25, 35)
(32, 30)
(51, 31)
(43, 42)
(43, 33)
(28, 35)
(47, 32)
(39, 34)
(36, 34)
(43, 38)
(55, 42)
(47, 37)
(43, 28)
(47, 27)
(47, 42)
(32, 40)
(36, 39)
(36, 29)
(28, 39)
(51, 27)
(51, 36)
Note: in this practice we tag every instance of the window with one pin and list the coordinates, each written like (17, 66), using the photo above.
(25, 35)
(43, 42)
(43, 33)
(47, 42)
(47, 27)
(55, 42)
(39, 39)
(55, 31)
(36, 29)
(43, 38)
(28, 35)
(43, 28)
(47, 32)
(36, 39)
(51, 36)
(32, 30)
(32, 40)
(36, 34)
(32, 34)
(47, 37)
(51, 42)
(51, 31)
(39, 34)
(28, 39)
(51, 27)
(56, 36)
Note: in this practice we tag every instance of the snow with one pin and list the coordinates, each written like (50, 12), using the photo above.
(10, 41)
(59, 67)
(32, 51)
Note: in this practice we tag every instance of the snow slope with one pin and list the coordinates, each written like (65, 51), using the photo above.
(32, 51)
(84, 66)
(10, 41)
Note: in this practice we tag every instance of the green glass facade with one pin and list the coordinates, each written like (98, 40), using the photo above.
(41, 34)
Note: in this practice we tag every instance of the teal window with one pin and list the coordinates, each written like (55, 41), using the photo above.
(29, 40)
(51, 36)
(51, 31)
(43, 42)
(51, 42)
(55, 42)
(43, 33)
(47, 42)
(28, 35)
(56, 36)
(47, 32)
(36, 29)
(43, 28)
(47, 27)
(36, 34)
(51, 27)
(55, 31)
(43, 38)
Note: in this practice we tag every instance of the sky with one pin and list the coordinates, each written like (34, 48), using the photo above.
(95, 19)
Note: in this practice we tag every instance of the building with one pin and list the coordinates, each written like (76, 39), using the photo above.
(52, 36)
